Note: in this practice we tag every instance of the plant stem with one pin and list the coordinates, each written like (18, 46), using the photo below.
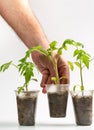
(15, 65)
(26, 87)
(56, 69)
(81, 76)
(57, 75)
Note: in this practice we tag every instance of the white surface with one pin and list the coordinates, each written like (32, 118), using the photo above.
(46, 126)
(60, 19)
(42, 126)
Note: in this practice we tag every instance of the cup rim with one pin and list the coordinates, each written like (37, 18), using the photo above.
(30, 91)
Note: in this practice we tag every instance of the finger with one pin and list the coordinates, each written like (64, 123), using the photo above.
(49, 81)
(44, 82)
(64, 74)
(44, 78)
(44, 90)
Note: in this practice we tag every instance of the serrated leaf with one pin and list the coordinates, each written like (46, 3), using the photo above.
(68, 41)
(5, 66)
(86, 61)
(28, 74)
(53, 45)
(20, 89)
(79, 44)
(72, 42)
(64, 47)
(71, 65)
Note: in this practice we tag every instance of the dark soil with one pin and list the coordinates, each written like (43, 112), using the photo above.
(83, 109)
(26, 110)
(58, 104)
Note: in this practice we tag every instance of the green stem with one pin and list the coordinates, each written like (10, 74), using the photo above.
(57, 75)
(15, 65)
(56, 69)
(26, 87)
(81, 76)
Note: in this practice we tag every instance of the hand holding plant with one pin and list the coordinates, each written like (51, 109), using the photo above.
(53, 67)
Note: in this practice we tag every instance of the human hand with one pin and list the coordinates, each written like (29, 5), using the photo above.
(46, 68)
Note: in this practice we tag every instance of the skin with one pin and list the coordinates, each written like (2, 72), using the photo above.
(20, 17)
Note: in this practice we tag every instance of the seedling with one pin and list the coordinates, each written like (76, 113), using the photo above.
(82, 60)
(50, 53)
(25, 68)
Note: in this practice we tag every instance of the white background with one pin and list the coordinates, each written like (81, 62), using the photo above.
(61, 19)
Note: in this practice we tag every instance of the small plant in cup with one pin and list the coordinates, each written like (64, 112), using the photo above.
(26, 100)
(82, 99)
(25, 68)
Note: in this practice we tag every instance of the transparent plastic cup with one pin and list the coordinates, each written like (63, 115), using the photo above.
(26, 106)
(57, 99)
(83, 103)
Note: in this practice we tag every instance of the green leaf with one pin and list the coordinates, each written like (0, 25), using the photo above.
(64, 47)
(26, 69)
(60, 51)
(28, 74)
(79, 44)
(71, 65)
(77, 64)
(83, 57)
(68, 41)
(5, 66)
(86, 61)
(76, 52)
(20, 89)
(74, 88)
(72, 42)
(36, 48)
(23, 59)
(53, 45)
(44, 52)
(49, 52)
(54, 79)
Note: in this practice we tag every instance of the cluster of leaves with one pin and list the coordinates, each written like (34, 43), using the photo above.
(49, 52)
(25, 68)
(82, 60)
(5, 66)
